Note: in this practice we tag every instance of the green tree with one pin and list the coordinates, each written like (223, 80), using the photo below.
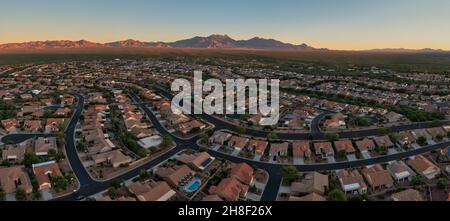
(144, 174)
(21, 195)
(290, 173)
(417, 181)
(203, 137)
(113, 192)
(30, 159)
(272, 136)
(337, 195)
(332, 136)
(422, 141)
(240, 129)
(59, 183)
(166, 141)
(6, 163)
(341, 154)
(442, 183)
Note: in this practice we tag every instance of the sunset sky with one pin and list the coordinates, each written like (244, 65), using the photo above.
(335, 24)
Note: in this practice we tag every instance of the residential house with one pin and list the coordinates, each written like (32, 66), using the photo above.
(384, 141)
(323, 149)
(151, 191)
(142, 132)
(243, 172)
(365, 145)
(62, 111)
(344, 146)
(13, 178)
(400, 171)
(32, 125)
(257, 146)
(196, 161)
(230, 189)
(53, 124)
(44, 144)
(30, 107)
(311, 182)
(352, 182)
(393, 117)
(67, 99)
(238, 142)
(47, 101)
(10, 125)
(421, 133)
(114, 158)
(45, 172)
(377, 177)
(176, 119)
(278, 150)
(336, 121)
(13, 153)
(301, 149)
(404, 138)
(219, 137)
(424, 167)
(408, 195)
(191, 126)
(436, 132)
(175, 175)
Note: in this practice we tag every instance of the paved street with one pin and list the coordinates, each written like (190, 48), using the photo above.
(89, 186)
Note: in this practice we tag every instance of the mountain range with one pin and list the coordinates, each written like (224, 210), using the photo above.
(213, 41)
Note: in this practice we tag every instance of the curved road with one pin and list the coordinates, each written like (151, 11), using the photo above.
(88, 186)
(317, 134)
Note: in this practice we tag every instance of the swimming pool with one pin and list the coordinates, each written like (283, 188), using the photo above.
(193, 185)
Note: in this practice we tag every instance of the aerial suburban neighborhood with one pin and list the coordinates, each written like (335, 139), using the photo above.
(71, 126)
(252, 104)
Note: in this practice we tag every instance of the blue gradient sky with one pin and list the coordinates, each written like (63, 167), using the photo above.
(337, 24)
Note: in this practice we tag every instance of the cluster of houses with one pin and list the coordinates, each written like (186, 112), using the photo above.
(377, 178)
(182, 178)
(17, 177)
(181, 123)
(368, 180)
(298, 118)
(39, 116)
(100, 148)
(234, 187)
(135, 122)
(171, 180)
(305, 150)
(380, 91)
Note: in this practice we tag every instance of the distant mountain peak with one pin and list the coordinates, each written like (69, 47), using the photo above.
(213, 41)
(126, 43)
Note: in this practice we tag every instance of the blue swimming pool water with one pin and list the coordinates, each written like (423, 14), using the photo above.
(193, 185)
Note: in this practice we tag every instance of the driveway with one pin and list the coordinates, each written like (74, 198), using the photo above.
(331, 160)
(298, 161)
(235, 152)
(392, 151)
(46, 195)
(366, 155)
(351, 157)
